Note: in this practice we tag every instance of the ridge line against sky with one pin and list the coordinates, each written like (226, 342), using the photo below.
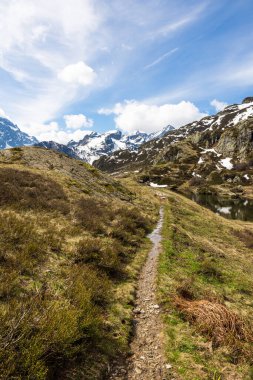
(72, 66)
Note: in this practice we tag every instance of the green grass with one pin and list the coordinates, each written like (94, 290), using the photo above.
(204, 261)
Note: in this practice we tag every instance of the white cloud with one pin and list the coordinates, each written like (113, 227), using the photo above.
(38, 41)
(78, 121)
(63, 137)
(78, 73)
(52, 131)
(133, 115)
(41, 40)
(218, 105)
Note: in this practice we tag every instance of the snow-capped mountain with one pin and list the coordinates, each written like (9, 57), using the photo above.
(11, 136)
(95, 145)
(210, 145)
(90, 148)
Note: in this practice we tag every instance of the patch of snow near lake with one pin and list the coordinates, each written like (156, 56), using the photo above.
(152, 184)
(200, 161)
(225, 210)
(226, 163)
(246, 176)
(246, 202)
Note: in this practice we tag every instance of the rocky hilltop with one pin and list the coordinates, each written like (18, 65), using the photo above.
(216, 150)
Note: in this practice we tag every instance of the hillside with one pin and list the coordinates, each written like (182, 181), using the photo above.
(216, 150)
(72, 242)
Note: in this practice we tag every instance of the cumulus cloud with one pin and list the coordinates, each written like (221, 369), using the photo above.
(78, 121)
(61, 136)
(78, 73)
(133, 115)
(53, 132)
(218, 105)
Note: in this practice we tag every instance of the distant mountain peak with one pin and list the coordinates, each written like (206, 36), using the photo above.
(11, 136)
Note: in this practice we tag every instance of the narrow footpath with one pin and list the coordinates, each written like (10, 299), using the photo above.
(147, 360)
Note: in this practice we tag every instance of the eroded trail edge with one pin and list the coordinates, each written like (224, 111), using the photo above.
(147, 360)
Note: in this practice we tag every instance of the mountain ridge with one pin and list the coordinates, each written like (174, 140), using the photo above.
(216, 150)
(94, 145)
(90, 148)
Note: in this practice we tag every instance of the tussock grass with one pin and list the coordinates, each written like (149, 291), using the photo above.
(221, 325)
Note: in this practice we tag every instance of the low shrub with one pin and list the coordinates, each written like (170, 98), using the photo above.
(241, 166)
(196, 181)
(27, 190)
(21, 247)
(91, 214)
(104, 253)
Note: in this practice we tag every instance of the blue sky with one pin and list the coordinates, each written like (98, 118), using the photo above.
(70, 66)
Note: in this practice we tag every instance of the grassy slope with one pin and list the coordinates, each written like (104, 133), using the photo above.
(72, 241)
(206, 287)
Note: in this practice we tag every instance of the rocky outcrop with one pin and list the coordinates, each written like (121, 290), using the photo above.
(249, 99)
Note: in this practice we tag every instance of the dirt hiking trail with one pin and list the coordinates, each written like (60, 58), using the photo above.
(147, 360)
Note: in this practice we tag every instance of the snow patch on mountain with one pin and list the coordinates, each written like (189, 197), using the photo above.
(94, 145)
(226, 163)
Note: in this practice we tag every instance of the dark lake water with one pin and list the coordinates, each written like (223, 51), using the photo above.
(229, 208)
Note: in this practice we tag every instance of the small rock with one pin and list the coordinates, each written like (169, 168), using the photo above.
(156, 307)
(168, 366)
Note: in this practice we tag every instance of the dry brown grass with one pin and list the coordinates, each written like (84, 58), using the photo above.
(221, 325)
